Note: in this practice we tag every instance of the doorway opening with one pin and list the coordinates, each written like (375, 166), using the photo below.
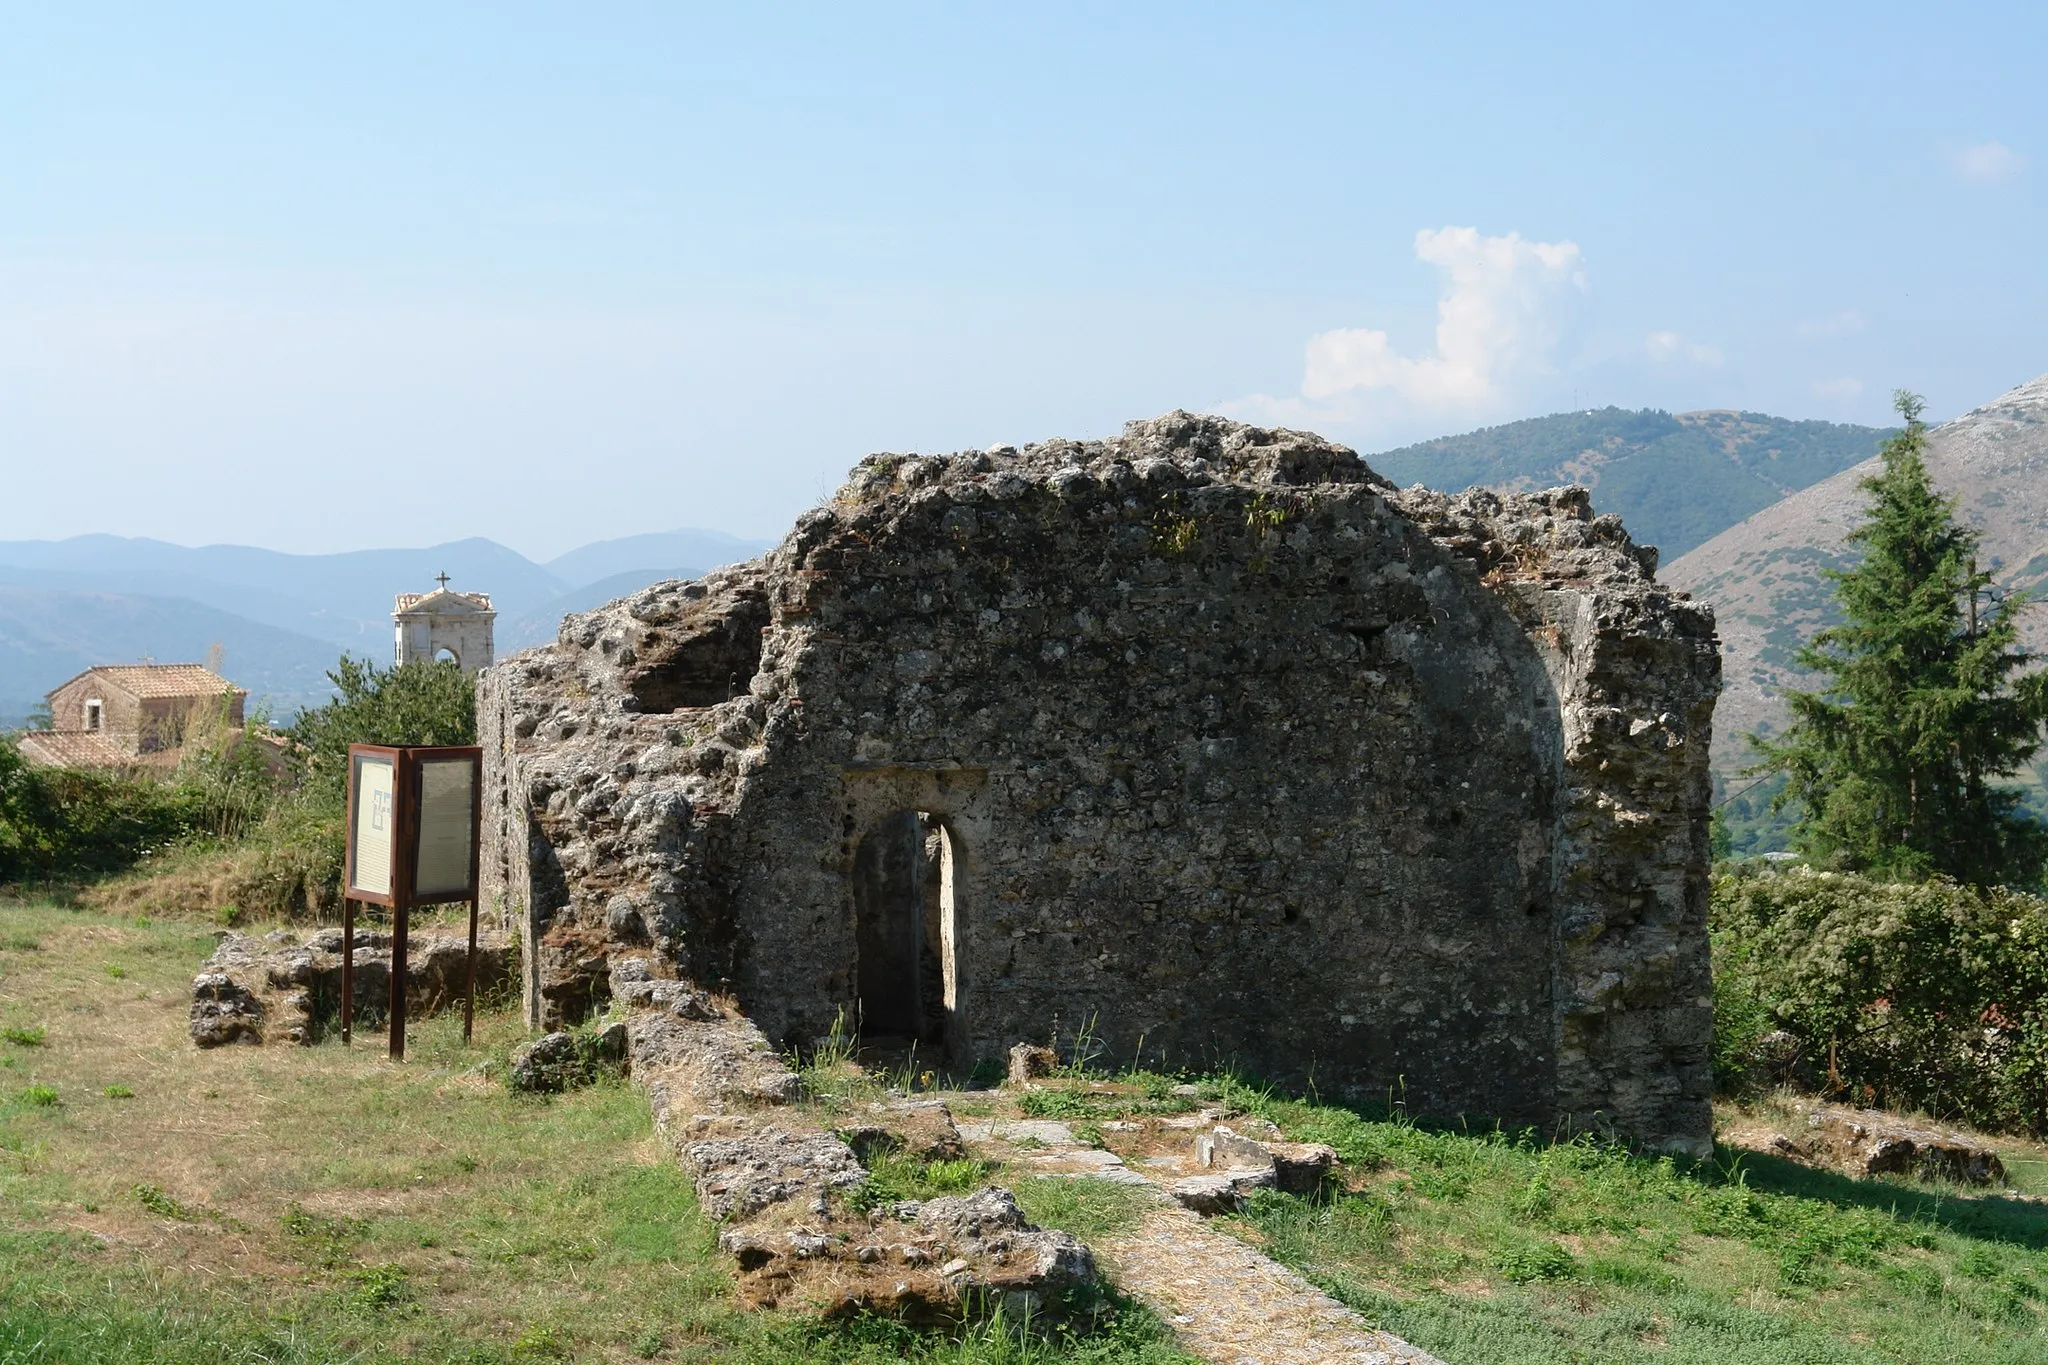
(906, 930)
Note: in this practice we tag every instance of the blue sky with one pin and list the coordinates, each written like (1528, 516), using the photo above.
(366, 275)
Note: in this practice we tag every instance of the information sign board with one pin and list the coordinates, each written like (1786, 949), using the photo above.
(444, 867)
(414, 814)
(372, 822)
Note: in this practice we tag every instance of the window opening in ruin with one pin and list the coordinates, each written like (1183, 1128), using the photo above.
(92, 714)
(906, 930)
(445, 655)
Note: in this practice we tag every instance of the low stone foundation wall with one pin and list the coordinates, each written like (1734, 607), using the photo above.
(280, 988)
(777, 1181)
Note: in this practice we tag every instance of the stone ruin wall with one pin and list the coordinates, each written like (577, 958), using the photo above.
(1205, 738)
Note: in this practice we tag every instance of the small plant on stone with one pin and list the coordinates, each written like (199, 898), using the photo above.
(1175, 533)
(895, 1177)
(31, 1035)
(40, 1096)
(118, 1092)
(1087, 1051)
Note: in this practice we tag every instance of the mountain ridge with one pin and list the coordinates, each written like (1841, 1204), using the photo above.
(1675, 479)
(1764, 575)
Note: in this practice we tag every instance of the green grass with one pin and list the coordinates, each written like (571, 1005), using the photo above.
(1516, 1251)
(320, 1204)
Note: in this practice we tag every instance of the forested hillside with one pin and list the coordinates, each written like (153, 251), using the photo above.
(1676, 479)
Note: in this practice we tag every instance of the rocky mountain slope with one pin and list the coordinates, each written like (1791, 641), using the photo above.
(1675, 479)
(1764, 575)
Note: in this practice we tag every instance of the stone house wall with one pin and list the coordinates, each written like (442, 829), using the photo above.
(121, 714)
(1205, 741)
(137, 724)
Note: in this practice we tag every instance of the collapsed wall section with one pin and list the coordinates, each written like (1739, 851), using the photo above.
(1205, 741)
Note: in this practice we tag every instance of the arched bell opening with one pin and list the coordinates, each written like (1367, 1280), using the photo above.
(907, 930)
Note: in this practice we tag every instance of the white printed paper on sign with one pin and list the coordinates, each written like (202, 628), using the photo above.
(447, 797)
(375, 825)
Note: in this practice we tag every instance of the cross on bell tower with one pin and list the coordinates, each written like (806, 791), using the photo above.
(442, 579)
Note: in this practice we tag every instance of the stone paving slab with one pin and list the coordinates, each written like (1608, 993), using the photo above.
(1225, 1302)
(1230, 1305)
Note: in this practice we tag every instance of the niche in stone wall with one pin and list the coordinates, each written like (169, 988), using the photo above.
(906, 927)
(709, 655)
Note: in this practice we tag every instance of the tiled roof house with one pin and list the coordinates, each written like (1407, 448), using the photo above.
(120, 714)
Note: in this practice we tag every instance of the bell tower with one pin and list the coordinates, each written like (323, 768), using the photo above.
(444, 624)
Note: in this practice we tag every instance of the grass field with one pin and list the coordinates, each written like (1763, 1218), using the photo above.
(158, 1203)
(162, 1204)
(1516, 1252)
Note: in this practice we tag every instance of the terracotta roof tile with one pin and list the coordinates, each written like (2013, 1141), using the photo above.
(72, 749)
(164, 680)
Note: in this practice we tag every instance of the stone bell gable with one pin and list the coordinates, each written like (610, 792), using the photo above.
(1205, 739)
(444, 625)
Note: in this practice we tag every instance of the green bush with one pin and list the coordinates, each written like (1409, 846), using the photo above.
(416, 703)
(1928, 996)
(66, 824)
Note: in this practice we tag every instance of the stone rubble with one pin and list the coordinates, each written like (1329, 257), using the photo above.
(777, 1180)
(280, 988)
(1868, 1142)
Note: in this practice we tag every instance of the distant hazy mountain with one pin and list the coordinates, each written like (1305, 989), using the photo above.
(283, 618)
(1764, 575)
(631, 554)
(610, 569)
(1675, 479)
(47, 636)
(345, 598)
(540, 626)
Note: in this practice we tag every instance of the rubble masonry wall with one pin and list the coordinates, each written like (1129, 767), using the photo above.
(1241, 757)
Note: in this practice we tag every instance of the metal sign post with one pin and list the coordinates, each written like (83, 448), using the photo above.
(414, 817)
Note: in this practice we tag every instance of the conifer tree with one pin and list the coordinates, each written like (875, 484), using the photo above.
(1895, 761)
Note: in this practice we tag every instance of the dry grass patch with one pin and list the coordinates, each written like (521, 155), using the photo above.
(317, 1204)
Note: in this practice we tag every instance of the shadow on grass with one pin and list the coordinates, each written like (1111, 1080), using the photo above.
(1948, 1208)
(1988, 1217)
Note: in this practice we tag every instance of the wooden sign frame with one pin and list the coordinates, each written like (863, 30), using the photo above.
(404, 823)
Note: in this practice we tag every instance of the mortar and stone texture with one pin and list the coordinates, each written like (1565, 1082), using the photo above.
(1205, 740)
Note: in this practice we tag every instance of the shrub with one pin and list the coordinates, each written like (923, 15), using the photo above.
(1927, 996)
(68, 823)
(416, 703)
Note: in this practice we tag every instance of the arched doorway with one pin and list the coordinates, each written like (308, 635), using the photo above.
(906, 929)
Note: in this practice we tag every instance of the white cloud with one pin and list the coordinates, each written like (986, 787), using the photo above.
(1840, 390)
(1664, 347)
(1845, 323)
(1987, 162)
(1497, 319)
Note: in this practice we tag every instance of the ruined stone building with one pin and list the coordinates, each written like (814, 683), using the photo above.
(443, 625)
(1205, 740)
(114, 715)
